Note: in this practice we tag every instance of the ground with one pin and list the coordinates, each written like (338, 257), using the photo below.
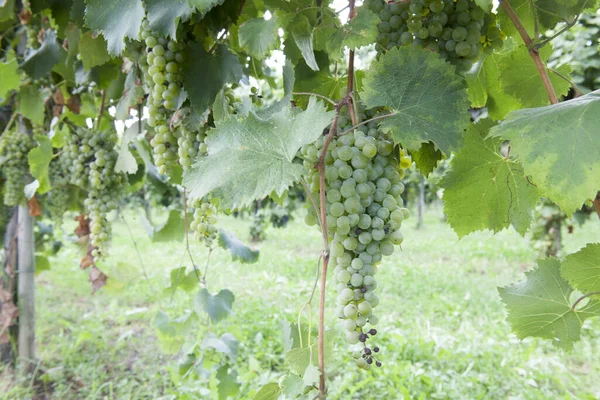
(442, 333)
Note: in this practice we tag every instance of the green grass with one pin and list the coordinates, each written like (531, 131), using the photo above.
(442, 335)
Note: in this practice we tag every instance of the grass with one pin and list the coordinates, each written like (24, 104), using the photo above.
(442, 335)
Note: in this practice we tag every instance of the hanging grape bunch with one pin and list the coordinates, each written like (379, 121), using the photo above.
(14, 147)
(56, 201)
(458, 30)
(364, 216)
(91, 158)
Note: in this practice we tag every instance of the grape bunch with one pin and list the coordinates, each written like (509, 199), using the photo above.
(205, 218)
(56, 201)
(91, 158)
(458, 30)
(364, 216)
(14, 147)
(163, 76)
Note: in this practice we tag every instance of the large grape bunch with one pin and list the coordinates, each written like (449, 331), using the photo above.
(91, 158)
(458, 30)
(14, 147)
(364, 215)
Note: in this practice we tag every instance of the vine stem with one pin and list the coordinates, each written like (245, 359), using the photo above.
(576, 89)
(585, 296)
(533, 52)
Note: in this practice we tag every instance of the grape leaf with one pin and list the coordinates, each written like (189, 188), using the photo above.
(39, 160)
(426, 158)
(203, 5)
(42, 263)
(320, 82)
(558, 147)
(116, 19)
(226, 344)
(539, 306)
(360, 31)
(7, 10)
(485, 5)
(164, 16)
(249, 158)
(259, 36)
(429, 99)
(205, 74)
(126, 162)
(302, 32)
(132, 95)
(239, 251)
(311, 375)
(524, 82)
(484, 190)
(31, 104)
(172, 230)
(228, 385)
(179, 279)
(292, 386)
(92, 50)
(582, 269)
(9, 74)
(270, 391)
(39, 62)
(217, 307)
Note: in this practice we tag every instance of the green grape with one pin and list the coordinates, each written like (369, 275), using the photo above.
(14, 147)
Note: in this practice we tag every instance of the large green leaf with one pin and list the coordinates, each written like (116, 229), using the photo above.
(205, 74)
(116, 19)
(237, 248)
(558, 147)
(226, 344)
(259, 36)
(429, 99)
(164, 16)
(360, 31)
(9, 74)
(426, 158)
(270, 391)
(172, 230)
(540, 306)
(31, 104)
(218, 307)
(92, 50)
(39, 62)
(251, 157)
(485, 190)
(39, 160)
(228, 385)
(181, 280)
(302, 32)
(582, 269)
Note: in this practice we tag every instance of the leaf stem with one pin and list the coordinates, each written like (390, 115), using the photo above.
(533, 51)
(10, 122)
(585, 296)
(315, 94)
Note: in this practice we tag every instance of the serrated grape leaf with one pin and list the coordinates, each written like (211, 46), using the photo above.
(302, 32)
(237, 248)
(218, 307)
(582, 269)
(228, 385)
(558, 147)
(203, 5)
(484, 190)
(292, 386)
(172, 230)
(38, 63)
(31, 104)
(226, 344)
(126, 162)
(181, 280)
(270, 391)
(250, 157)
(426, 158)
(360, 31)
(132, 95)
(39, 160)
(429, 99)
(520, 78)
(92, 50)
(311, 376)
(540, 306)
(9, 74)
(116, 19)
(205, 74)
(164, 16)
(259, 36)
